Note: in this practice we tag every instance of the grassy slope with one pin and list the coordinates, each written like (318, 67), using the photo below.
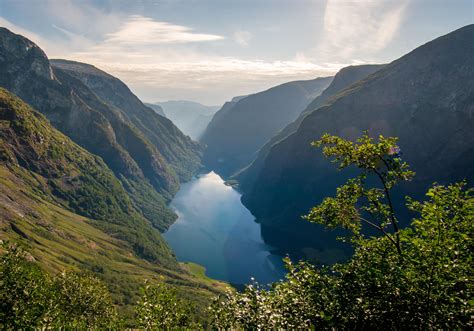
(66, 206)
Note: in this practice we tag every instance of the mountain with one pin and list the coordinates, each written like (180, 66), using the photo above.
(156, 108)
(190, 117)
(345, 77)
(241, 127)
(426, 98)
(177, 149)
(144, 150)
(70, 212)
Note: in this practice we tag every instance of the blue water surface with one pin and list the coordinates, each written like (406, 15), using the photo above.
(216, 231)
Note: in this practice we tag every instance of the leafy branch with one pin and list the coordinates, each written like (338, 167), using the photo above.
(381, 159)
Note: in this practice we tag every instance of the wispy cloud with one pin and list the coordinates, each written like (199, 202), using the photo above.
(144, 30)
(171, 74)
(242, 37)
(160, 60)
(355, 28)
(154, 57)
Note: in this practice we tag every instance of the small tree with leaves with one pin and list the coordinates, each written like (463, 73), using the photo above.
(355, 203)
(159, 308)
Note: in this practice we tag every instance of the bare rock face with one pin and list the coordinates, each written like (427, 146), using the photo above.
(20, 54)
(426, 98)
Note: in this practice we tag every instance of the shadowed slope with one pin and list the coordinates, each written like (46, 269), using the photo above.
(243, 126)
(426, 98)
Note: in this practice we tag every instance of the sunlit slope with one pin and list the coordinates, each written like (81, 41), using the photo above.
(145, 166)
(180, 152)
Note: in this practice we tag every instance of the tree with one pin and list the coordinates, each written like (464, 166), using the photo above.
(159, 308)
(82, 301)
(354, 202)
(414, 278)
(25, 293)
(31, 298)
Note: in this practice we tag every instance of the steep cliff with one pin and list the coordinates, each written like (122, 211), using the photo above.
(145, 157)
(178, 150)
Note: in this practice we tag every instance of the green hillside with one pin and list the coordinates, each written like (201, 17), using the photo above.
(65, 205)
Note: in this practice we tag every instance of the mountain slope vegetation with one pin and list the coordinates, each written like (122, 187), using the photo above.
(179, 151)
(111, 131)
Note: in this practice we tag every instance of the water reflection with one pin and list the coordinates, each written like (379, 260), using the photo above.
(215, 230)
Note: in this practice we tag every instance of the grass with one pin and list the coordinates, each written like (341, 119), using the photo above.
(199, 272)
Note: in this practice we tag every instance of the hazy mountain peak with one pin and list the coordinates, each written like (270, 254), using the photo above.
(242, 126)
(190, 116)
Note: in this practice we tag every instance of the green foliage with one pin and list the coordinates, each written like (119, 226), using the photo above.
(354, 201)
(25, 296)
(427, 285)
(83, 301)
(287, 305)
(159, 308)
(30, 298)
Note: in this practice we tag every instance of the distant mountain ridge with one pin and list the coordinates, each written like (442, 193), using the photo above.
(156, 108)
(191, 117)
(242, 126)
(426, 98)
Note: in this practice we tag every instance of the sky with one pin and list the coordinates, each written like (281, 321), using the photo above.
(211, 50)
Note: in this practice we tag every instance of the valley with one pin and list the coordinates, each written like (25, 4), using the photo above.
(326, 189)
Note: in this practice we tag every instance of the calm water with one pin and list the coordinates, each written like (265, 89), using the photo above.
(215, 230)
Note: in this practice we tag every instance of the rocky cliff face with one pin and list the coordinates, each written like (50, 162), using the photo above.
(243, 126)
(345, 77)
(426, 98)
